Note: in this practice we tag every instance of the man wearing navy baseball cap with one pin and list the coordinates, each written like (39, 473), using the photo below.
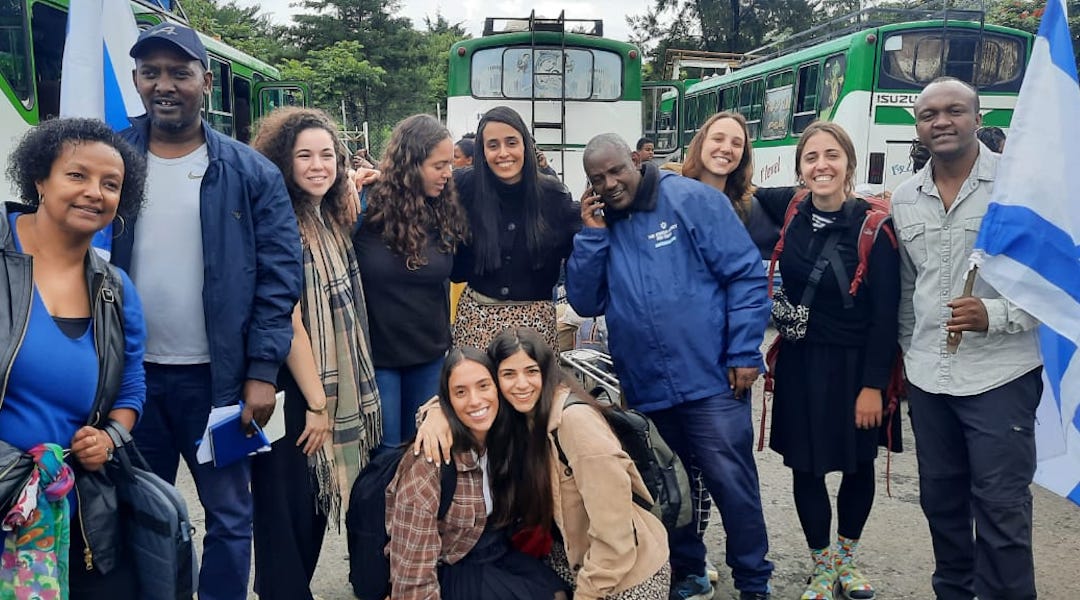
(215, 255)
(182, 38)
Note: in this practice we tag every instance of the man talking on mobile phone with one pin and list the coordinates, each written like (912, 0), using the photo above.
(671, 266)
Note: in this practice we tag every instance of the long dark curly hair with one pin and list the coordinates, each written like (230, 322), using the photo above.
(397, 205)
(275, 140)
(739, 186)
(33, 158)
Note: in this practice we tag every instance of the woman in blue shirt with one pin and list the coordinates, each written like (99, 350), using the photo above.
(73, 344)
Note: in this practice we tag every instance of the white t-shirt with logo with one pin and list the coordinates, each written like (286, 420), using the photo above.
(167, 260)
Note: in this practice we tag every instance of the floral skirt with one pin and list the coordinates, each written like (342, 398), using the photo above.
(656, 587)
(480, 319)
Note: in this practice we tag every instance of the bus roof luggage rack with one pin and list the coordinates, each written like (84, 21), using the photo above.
(675, 59)
(858, 21)
(170, 7)
(535, 23)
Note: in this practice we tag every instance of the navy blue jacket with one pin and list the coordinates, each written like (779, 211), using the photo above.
(253, 264)
(681, 286)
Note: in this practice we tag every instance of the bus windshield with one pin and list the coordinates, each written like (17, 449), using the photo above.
(590, 74)
(990, 61)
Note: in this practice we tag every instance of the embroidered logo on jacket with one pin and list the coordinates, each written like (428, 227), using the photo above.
(666, 236)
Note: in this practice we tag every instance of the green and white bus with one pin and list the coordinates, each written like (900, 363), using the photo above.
(32, 34)
(567, 84)
(866, 80)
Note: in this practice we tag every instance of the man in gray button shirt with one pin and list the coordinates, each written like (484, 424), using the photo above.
(972, 411)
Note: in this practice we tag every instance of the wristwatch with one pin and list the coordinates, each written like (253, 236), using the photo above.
(108, 454)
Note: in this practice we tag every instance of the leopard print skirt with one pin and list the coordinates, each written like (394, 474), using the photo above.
(480, 319)
(656, 587)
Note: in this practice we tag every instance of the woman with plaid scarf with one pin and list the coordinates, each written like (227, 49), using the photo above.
(332, 412)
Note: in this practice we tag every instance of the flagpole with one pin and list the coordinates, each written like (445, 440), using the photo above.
(952, 341)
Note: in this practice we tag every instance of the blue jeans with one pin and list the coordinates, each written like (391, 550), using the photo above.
(174, 417)
(716, 436)
(402, 391)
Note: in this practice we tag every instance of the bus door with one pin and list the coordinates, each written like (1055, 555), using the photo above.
(272, 94)
(897, 162)
(662, 116)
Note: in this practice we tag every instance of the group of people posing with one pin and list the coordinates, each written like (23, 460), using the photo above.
(255, 269)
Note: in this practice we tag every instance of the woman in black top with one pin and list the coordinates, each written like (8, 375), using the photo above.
(721, 155)
(828, 403)
(405, 249)
(522, 225)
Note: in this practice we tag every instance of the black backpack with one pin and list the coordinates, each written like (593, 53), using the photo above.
(660, 468)
(365, 521)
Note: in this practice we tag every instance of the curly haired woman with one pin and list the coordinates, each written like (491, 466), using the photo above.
(406, 249)
(328, 376)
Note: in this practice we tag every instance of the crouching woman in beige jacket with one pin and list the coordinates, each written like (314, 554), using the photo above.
(576, 506)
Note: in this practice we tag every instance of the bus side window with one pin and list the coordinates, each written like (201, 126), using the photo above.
(14, 59)
(690, 119)
(219, 108)
(729, 99)
(832, 84)
(242, 111)
(777, 111)
(806, 99)
(751, 104)
(48, 25)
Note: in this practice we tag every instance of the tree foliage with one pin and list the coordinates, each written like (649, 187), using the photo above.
(344, 50)
(1026, 15)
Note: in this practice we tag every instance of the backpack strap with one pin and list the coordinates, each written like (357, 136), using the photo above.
(570, 401)
(789, 214)
(827, 256)
(875, 221)
(447, 487)
(770, 381)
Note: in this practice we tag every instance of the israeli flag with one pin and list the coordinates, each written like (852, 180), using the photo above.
(96, 77)
(1029, 244)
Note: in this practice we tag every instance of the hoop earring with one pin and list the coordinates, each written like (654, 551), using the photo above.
(123, 226)
(40, 198)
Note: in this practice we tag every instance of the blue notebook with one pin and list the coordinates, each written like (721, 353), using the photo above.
(229, 443)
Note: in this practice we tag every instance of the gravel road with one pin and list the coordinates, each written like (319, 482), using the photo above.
(895, 551)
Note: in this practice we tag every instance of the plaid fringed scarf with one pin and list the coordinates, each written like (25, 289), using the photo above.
(335, 317)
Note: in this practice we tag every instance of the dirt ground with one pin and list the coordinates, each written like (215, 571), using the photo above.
(895, 550)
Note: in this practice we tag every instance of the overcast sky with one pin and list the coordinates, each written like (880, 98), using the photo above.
(471, 13)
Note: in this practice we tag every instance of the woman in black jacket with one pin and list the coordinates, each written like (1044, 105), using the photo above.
(522, 224)
(67, 312)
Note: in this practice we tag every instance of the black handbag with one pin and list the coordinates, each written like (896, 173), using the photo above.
(791, 319)
(16, 467)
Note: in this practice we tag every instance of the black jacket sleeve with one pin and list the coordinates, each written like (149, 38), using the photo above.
(774, 201)
(882, 283)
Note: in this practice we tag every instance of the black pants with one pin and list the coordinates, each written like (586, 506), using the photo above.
(288, 532)
(976, 462)
(853, 504)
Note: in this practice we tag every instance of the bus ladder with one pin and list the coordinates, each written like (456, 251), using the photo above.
(975, 61)
(559, 26)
